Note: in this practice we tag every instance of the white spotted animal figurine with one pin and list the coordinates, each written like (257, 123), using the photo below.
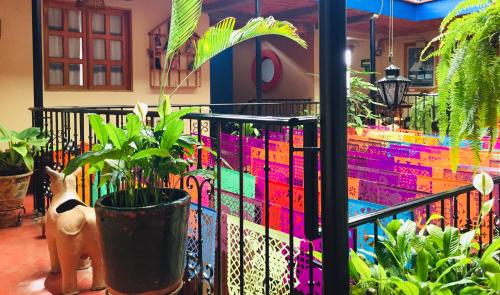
(71, 233)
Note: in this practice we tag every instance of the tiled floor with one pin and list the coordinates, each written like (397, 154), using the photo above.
(25, 264)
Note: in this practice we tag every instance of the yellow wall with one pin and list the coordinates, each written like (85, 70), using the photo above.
(296, 63)
(16, 81)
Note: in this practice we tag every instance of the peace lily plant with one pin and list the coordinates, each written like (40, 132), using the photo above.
(431, 260)
(143, 217)
(140, 156)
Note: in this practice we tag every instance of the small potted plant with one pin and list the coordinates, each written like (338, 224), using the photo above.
(142, 223)
(16, 167)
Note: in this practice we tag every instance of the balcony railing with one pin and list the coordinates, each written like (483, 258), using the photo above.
(263, 208)
(233, 241)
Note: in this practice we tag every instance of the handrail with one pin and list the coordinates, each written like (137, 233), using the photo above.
(404, 207)
(119, 107)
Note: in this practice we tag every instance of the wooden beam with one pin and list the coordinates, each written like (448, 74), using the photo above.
(221, 5)
(359, 18)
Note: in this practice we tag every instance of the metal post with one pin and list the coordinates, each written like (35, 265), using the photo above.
(373, 68)
(36, 8)
(36, 19)
(258, 63)
(332, 40)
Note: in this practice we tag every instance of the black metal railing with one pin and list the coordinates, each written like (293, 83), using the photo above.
(419, 112)
(219, 220)
(459, 207)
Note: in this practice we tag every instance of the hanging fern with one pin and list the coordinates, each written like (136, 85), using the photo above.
(468, 74)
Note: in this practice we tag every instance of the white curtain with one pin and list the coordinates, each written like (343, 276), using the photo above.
(55, 20)
(115, 48)
(76, 74)
(75, 21)
(99, 75)
(116, 76)
(55, 46)
(98, 23)
(75, 48)
(56, 71)
(99, 49)
(115, 25)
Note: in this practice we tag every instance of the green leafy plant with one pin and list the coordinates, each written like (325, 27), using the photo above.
(248, 130)
(22, 147)
(430, 261)
(139, 160)
(468, 74)
(358, 101)
(422, 115)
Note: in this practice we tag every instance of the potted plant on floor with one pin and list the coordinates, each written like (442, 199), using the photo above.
(142, 224)
(16, 167)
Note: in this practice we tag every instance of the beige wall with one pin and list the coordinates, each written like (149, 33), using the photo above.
(296, 63)
(16, 65)
(359, 43)
(16, 81)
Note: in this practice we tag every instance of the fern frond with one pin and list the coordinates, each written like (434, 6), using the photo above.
(462, 6)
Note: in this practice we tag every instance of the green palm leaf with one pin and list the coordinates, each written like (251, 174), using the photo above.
(222, 36)
(184, 19)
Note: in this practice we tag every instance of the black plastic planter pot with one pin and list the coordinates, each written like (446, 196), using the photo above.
(143, 248)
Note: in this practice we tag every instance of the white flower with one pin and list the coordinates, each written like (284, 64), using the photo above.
(483, 183)
(141, 110)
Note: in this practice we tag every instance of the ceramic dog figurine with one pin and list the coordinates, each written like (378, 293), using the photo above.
(71, 233)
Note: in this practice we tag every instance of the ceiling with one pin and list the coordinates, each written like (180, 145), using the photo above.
(303, 13)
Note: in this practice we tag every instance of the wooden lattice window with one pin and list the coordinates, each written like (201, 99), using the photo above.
(181, 65)
(86, 48)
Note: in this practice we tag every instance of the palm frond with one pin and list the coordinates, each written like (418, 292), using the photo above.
(184, 20)
(223, 36)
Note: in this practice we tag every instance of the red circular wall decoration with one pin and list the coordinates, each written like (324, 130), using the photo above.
(271, 70)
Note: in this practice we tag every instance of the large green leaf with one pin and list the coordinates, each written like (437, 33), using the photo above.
(134, 126)
(149, 153)
(116, 135)
(21, 150)
(422, 265)
(99, 128)
(488, 261)
(462, 262)
(29, 162)
(185, 15)
(360, 266)
(222, 36)
(435, 235)
(451, 241)
(387, 258)
(171, 134)
(4, 132)
(92, 158)
(29, 133)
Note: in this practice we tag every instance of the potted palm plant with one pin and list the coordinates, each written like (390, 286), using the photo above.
(16, 167)
(142, 224)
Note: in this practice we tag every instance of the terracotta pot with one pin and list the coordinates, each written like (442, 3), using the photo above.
(12, 192)
(143, 248)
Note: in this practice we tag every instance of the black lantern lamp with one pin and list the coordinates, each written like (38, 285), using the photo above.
(393, 87)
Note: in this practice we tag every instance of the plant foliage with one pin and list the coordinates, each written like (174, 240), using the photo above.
(22, 147)
(358, 101)
(468, 73)
(139, 160)
(422, 115)
(431, 261)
